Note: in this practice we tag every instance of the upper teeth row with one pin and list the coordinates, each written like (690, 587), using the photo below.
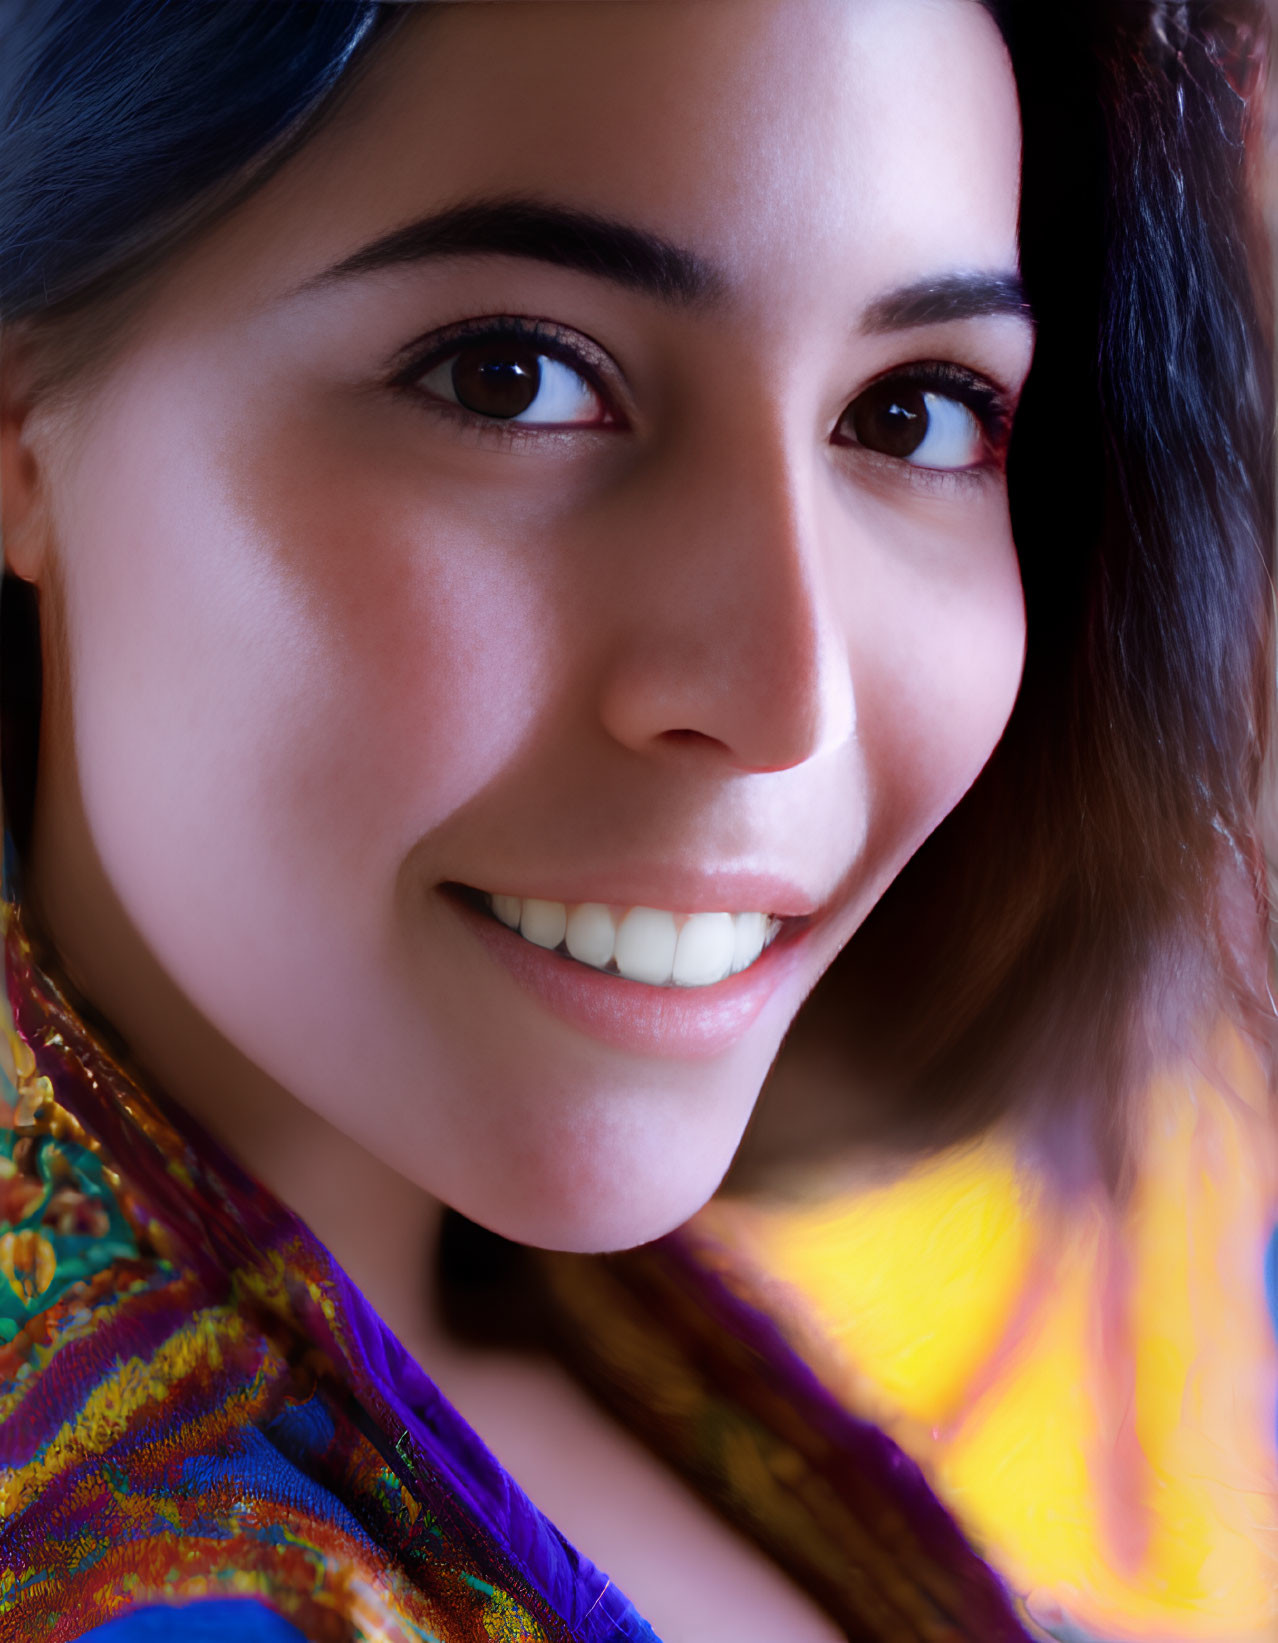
(642, 943)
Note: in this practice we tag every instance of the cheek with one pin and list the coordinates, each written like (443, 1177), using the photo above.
(280, 685)
(947, 656)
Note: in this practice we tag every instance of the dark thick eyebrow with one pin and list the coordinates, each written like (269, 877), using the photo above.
(951, 297)
(596, 245)
(634, 257)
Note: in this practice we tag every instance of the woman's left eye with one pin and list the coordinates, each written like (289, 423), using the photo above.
(508, 380)
(917, 424)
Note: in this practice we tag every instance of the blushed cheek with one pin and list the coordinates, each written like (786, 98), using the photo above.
(431, 665)
(432, 623)
(278, 693)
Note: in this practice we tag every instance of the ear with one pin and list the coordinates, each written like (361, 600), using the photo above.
(24, 519)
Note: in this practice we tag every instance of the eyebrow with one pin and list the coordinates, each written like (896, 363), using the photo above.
(580, 240)
(952, 297)
(640, 260)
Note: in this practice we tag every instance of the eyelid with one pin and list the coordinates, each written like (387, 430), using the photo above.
(979, 392)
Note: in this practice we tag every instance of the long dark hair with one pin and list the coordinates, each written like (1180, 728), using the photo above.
(1099, 897)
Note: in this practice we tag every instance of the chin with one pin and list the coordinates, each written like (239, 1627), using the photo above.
(584, 1231)
(590, 1203)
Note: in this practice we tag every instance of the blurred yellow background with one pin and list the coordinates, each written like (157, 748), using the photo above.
(1091, 1389)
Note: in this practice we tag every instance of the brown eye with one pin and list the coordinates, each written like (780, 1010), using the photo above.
(508, 379)
(914, 424)
(499, 379)
(890, 417)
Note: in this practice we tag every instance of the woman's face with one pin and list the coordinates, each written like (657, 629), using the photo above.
(629, 533)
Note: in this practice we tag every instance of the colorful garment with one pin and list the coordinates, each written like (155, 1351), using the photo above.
(198, 1407)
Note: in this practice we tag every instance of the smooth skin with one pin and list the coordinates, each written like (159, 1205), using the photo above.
(320, 643)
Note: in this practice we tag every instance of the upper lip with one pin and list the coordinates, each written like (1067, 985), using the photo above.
(675, 889)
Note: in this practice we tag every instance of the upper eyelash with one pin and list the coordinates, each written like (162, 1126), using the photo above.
(987, 402)
(421, 356)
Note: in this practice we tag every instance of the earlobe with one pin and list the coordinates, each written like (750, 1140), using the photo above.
(23, 516)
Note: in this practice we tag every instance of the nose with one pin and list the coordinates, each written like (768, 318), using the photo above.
(730, 642)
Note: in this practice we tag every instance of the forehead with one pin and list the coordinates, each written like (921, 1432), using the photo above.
(770, 136)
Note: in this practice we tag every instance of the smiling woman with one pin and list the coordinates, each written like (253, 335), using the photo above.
(375, 655)
(517, 501)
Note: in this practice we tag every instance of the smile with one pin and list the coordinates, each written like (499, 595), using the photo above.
(644, 944)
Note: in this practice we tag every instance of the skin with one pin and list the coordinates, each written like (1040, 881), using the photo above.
(316, 647)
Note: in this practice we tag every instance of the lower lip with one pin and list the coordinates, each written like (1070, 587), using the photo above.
(630, 1015)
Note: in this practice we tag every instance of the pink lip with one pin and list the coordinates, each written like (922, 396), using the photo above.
(665, 1021)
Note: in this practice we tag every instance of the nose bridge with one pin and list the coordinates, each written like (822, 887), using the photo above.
(743, 645)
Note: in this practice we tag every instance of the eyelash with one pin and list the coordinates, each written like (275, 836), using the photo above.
(554, 341)
(989, 404)
(992, 406)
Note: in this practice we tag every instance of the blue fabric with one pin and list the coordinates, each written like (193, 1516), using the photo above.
(1271, 1287)
(226, 1620)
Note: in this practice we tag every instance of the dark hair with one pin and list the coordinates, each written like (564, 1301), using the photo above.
(124, 122)
(1100, 892)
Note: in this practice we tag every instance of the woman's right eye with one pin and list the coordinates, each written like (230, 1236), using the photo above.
(509, 379)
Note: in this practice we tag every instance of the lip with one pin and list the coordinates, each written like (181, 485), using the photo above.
(677, 1022)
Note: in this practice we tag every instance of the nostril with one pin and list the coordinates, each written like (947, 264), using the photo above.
(691, 736)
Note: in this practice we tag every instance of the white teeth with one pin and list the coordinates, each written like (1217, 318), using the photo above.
(646, 940)
(751, 937)
(704, 951)
(591, 934)
(642, 943)
(543, 922)
(508, 909)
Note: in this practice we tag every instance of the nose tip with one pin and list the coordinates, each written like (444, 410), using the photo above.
(735, 648)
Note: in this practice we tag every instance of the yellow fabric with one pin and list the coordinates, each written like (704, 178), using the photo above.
(1093, 1393)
